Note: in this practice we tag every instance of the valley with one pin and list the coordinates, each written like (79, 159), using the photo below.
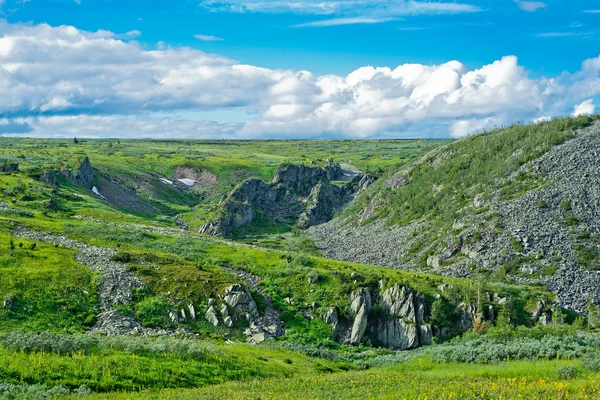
(260, 269)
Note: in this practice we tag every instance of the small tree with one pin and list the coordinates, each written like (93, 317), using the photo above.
(593, 314)
(75, 140)
(11, 247)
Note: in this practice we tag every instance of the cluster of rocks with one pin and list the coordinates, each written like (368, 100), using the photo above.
(238, 303)
(298, 194)
(404, 325)
(541, 231)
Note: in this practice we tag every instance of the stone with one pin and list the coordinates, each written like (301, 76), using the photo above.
(331, 316)
(238, 297)
(211, 316)
(183, 316)
(8, 302)
(398, 334)
(224, 312)
(360, 305)
(192, 311)
(257, 338)
(228, 321)
(537, 312)
(172, 317)
(211, 301)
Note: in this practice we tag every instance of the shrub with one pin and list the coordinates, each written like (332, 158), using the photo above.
(567, 372)
(122, 257)
(591, 361)
(153, 312)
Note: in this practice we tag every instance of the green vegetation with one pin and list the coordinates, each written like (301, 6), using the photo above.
(476, 165)
(49, 290)
(52, 300)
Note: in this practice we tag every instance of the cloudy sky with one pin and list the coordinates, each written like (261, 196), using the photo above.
(293, 69)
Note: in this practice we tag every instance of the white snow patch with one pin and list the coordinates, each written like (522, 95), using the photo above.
(188, 182)
(97, 193)
(165, 180)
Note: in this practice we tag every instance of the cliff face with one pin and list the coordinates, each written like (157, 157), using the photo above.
(298, 194)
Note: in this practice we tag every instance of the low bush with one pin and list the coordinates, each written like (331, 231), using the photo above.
(567, 372)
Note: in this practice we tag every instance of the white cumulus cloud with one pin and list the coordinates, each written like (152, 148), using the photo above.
(66, 81)
(585, 108)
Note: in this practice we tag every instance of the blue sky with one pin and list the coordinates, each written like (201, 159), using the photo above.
(281, 38)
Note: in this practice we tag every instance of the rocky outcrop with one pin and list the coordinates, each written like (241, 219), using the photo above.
(265, 326)
(49, 178)
(238, 297)
(360, 305)
(82, 176)
(211, 316)
(401, 323)
(406, 326)
(298, 194)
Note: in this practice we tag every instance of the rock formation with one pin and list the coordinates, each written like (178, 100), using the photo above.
(11, 167)
(298, 194)
(402, 326)
(83, 176)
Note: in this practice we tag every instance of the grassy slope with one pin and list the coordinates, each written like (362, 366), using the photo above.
(51, 292)
(138, 364)
(476, 165)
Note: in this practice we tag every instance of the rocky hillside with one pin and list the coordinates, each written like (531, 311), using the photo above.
(298, 194)
(520, 204)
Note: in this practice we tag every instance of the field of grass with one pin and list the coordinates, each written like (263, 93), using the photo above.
(49, 290)
(417, 380)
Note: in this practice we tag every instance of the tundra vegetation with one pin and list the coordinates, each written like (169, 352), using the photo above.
(108, 288)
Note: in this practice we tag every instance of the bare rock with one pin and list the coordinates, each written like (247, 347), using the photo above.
(238, 297)
(212, 316)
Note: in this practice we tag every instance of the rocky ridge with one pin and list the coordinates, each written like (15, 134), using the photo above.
(298, 194)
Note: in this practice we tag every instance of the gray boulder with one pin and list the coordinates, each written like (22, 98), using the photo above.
(360, 305)
(212, 316)
(238, 297)
(8, 302)
(407, 327)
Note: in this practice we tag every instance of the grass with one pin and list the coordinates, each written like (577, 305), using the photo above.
(134, 364)
(420, 379)
(477, 165)
(50, 291)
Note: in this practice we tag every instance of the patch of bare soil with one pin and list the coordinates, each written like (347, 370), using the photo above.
(203, 178)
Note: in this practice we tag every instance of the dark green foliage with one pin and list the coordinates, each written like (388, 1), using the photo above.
(567, 372)
(121, 256)
(591, 361)
(153, 312)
